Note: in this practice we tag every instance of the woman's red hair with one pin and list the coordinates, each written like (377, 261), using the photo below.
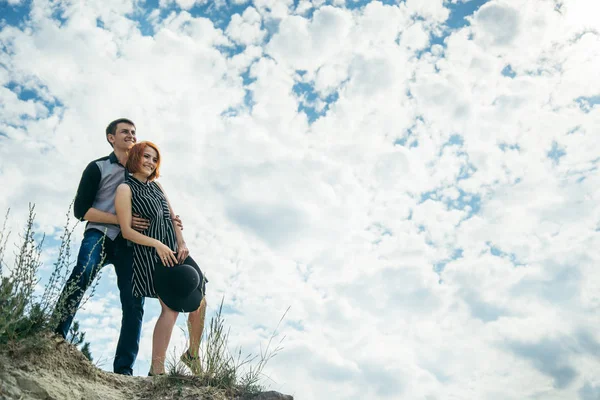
(136, 157)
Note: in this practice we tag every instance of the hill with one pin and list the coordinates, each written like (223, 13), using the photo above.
(48, 368)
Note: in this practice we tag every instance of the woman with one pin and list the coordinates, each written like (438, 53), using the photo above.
(160, 245)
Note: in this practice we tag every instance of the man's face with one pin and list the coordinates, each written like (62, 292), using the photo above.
(124, 137)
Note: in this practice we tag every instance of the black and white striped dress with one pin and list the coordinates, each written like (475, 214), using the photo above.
(150, 203)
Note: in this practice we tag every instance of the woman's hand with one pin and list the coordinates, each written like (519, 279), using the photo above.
(182, 252)
(165, 254)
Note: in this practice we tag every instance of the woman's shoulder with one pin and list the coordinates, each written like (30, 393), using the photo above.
(123, 188)
(126, 183)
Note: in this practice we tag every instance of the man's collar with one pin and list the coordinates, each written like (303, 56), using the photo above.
(113, 158)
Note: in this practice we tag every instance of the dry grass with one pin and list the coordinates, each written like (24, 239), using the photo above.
(27, 320)
(239, 376)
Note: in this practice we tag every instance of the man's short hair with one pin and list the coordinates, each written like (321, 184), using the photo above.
(111, 129)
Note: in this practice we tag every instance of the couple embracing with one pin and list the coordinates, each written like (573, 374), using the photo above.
(131, 224)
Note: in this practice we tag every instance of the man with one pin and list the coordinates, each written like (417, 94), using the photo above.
(103, 244)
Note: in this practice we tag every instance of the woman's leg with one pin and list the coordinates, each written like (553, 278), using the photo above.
(161, 337)
(195, 327)
(196, 318)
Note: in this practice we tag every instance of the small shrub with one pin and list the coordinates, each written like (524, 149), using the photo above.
(23, 313)
(77, 338)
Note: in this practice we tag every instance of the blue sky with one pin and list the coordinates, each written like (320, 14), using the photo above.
(409, 172)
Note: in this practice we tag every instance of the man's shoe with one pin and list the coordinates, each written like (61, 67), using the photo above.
(59, 334)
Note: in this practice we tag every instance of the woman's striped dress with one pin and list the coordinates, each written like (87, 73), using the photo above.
(148, 201)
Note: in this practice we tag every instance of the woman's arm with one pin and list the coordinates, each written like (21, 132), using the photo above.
(182, 250)
(123, 209)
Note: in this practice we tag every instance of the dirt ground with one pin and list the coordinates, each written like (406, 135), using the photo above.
(51, 369)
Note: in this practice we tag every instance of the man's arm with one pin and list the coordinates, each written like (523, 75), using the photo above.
(95, 215)
(86, 194)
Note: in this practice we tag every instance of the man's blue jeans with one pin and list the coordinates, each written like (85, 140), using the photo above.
(96, 251)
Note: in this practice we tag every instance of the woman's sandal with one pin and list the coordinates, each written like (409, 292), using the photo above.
(150, 373)
(193, 363)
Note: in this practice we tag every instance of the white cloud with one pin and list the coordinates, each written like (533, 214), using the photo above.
(246, 29)
(413, 219)
(13, 2)
(499, 23)
(303, 7)
(433, 10)
(307, 44)
(188, 4)
(415, 37)
(273, 9)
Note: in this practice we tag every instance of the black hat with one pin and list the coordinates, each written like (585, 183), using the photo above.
(179, 287)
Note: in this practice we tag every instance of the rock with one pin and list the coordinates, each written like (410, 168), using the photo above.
(30, 385)
(26, 367)
(273, 395)
(7, 379)
(11, 392)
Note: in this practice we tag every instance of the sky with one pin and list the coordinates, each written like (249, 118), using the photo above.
(416, 180)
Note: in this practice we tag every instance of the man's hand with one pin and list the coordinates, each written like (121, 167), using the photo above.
(178, 222)
(182, 252)
(138, 223)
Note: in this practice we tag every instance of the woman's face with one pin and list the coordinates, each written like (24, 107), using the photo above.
(149, 161)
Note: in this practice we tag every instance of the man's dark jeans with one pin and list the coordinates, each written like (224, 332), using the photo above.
(96, 251)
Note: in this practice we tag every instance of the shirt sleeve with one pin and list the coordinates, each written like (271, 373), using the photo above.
(87, 190)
